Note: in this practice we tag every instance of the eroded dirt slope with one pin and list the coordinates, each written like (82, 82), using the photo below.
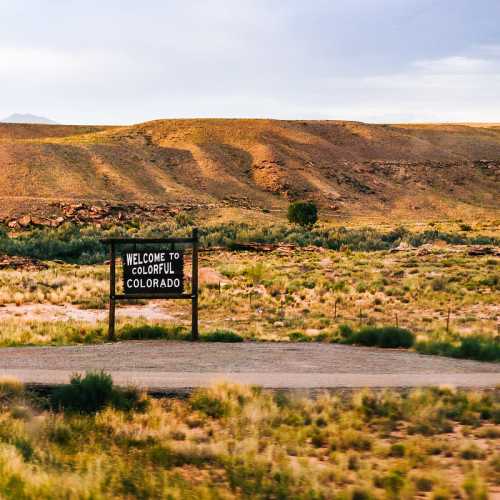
(347, 167)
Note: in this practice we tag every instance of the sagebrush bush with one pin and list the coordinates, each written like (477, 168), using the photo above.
(385, 336)
(94, 392)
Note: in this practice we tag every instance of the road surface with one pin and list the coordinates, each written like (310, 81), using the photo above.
(175, 366)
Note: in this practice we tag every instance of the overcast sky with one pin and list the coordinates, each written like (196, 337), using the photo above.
(128, 61)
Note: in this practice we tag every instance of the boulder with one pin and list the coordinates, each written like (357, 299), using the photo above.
(210, 277)
(24, 221)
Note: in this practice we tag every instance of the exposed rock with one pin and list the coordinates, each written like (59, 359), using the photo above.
(24, 221)
(210, 277)
(402, 247)
(17, 262)
(83, 213)
(483, 250)
(313, 332)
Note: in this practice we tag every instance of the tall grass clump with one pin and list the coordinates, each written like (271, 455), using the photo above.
(10, 390)
(94, 392)
(152, 332)
(221, 336)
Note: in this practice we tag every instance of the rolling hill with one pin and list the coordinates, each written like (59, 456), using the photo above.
(347, 167)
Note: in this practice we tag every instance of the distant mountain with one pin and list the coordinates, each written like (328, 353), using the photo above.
(27, 118)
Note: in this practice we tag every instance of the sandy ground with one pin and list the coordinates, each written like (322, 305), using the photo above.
(161, 365)
(52, 312)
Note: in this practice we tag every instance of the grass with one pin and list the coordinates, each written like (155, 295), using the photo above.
(66, 333)
(232, 441)
(304, 295)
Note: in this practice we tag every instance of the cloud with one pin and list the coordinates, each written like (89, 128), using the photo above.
(454, 75)
(454, 88)
(49, 65)
(456, 65)
(370, 60)
(21, 62)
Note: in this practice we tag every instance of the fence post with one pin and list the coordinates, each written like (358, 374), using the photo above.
(194, 288)
(112, 293)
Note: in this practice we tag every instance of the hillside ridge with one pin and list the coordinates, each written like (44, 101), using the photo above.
(345, 166)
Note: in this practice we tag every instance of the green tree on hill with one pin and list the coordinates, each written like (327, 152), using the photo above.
(304, 213)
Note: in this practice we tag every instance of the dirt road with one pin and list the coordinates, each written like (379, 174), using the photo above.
(165, 366)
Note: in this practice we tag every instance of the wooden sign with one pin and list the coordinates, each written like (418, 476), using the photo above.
(153, 274)
(157, 272)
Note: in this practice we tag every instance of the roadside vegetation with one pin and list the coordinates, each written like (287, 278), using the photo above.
(81, 243)
(373, 288)
(92, 440)
(32, 333)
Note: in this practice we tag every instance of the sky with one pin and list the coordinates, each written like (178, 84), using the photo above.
(123, 61)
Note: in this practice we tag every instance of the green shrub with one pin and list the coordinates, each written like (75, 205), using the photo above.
(478, 347)
(92, 393)
(299, 337)
(221, 336)
(345, 331)
(303, 213)
(152, 332)
(361, 494)
(471, 452)
(386, 336)
(397, 450)
(207, 404)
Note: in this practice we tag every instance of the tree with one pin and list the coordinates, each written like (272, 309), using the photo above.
(304, 213)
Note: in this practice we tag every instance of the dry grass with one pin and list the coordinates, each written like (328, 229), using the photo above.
(271, 296)
(60, 284)
(240, 442)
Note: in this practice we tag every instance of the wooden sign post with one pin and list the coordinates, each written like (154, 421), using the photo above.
(157, 273)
